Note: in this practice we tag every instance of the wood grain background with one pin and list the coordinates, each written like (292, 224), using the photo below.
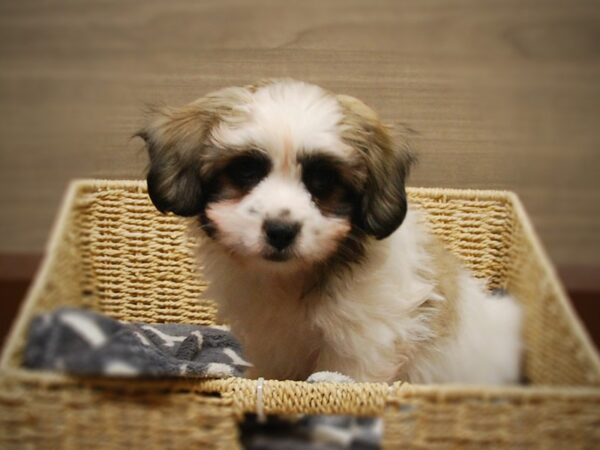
(496, 94)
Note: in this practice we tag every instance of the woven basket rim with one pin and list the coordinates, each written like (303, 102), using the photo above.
(49, 378)
(291, 397)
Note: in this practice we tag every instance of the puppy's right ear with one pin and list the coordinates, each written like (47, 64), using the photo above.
(383, 205)
(175, 141)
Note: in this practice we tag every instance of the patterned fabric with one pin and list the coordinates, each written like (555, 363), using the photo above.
(318, 432)
(82, 342)
(312, 433)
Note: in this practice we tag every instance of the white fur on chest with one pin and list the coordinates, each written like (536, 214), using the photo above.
(267, 314)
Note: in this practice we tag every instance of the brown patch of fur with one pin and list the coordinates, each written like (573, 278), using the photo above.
(288, 151)
(442, 315)
(446, 270)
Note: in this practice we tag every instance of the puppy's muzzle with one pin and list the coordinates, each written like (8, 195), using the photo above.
(279, 233)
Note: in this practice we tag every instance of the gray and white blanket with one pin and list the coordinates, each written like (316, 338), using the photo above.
(82, 342)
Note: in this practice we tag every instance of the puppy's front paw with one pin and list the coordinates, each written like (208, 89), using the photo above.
(329, 377)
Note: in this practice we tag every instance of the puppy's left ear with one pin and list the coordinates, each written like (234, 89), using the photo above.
(383, 204)
(175, 140)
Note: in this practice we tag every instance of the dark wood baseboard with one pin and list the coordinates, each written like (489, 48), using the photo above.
(12, 294)
(587, 305)
(19, 266)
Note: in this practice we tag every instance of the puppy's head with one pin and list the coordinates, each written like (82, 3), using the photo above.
(282, 171)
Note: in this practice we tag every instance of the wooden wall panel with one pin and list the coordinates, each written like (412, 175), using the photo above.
(497, 94)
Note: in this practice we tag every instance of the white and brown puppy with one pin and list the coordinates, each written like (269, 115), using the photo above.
(299, 195)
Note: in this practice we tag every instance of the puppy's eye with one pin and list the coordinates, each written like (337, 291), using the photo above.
(320, 178)
(247, 170)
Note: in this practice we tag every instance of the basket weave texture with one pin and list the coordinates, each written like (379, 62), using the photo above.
(111, 251)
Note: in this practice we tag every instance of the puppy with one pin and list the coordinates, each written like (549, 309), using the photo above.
(310, 249)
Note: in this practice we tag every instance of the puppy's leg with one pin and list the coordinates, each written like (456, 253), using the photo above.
(330, 361)
(366, 366)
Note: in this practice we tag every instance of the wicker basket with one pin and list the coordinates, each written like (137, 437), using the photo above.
(112, 252)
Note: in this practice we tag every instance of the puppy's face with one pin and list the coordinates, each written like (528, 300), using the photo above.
(282, 172)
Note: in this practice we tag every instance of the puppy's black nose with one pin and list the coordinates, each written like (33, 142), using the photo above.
(280, 234)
